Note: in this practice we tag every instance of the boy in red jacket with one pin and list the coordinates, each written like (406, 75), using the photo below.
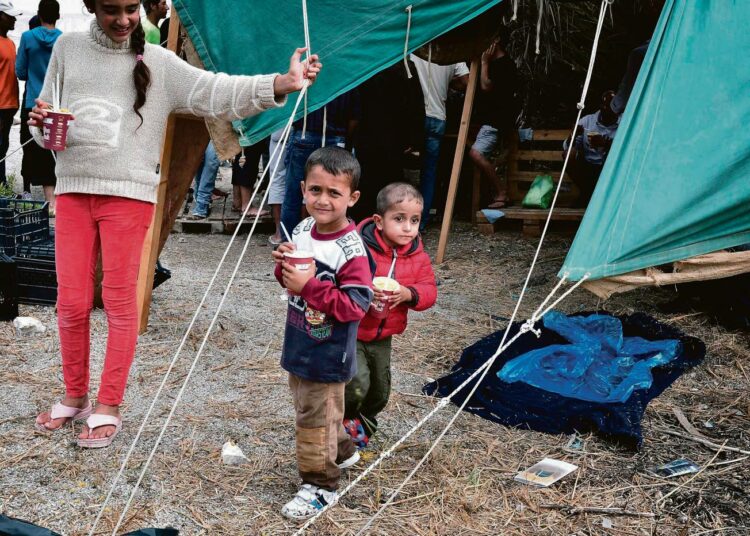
(392, 236)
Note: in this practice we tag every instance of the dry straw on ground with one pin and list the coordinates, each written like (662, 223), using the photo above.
(239, 393)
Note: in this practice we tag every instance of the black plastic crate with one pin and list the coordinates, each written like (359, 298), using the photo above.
(8, 288)
(44, 250)
(22, 221)
(37, 281)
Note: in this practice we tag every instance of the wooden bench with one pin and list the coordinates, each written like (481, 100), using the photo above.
(542, 155)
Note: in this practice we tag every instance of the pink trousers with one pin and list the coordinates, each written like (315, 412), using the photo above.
(116, 226)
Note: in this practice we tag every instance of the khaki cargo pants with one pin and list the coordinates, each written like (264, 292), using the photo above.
(321, 439)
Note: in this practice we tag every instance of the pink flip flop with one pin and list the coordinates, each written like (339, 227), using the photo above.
(95, 421)
(60, 411)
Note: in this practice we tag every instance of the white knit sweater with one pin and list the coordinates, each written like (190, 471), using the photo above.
(108, 151)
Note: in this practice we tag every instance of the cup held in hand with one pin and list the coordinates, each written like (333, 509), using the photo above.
(55, 130)
(387, 286)
(301, 259)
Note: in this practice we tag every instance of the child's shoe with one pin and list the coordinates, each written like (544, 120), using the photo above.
(355, 429)
(351, 460)
(308, 502)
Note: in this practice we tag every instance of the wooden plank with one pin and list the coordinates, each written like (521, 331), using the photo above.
(529, 176)
(550, 135)
(552, 156)
(458, 158)
(562, 214)
(185, 141)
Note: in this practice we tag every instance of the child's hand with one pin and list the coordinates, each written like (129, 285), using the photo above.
(379, 295)
(278, 254)
(403, 295)
(295, 280)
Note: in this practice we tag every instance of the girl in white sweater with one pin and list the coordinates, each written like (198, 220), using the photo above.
(121, 92)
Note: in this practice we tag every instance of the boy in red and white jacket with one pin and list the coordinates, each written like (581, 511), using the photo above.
(392, 237)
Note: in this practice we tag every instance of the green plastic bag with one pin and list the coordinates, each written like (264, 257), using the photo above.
(540, 193)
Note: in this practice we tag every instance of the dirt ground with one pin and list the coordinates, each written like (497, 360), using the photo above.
(239, 392)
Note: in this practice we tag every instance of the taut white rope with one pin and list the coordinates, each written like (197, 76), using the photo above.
(306, 28)
(14, 151)
(276, 152)
(406, 41)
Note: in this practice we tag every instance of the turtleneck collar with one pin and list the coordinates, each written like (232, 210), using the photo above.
(103, 40)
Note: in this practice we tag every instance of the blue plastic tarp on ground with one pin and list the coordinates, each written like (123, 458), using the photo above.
(526, 406)
(599, 365)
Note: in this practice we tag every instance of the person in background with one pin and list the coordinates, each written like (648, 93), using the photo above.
(164, 32)
(592, 141)
(389, 98)
(435, 80)
(277, 189)
(205, 180)
(340, 118)
(25, 134)
(245, 169)
(34, 51)
(155, 11)
(497, 110)
(8, 80)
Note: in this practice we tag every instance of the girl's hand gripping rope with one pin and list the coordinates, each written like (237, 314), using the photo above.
(299, 71)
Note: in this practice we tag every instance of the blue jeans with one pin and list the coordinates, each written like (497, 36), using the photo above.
(205, 180)
(297, 153)
(433, 132)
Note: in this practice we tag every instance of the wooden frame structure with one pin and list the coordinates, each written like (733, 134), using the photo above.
(185, 141)
(458, 160)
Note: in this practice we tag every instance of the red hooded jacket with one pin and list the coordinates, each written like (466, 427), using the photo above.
(413, 270)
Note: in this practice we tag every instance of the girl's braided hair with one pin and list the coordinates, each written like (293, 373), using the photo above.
(141, 72)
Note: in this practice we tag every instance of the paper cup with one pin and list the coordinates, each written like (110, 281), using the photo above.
(301, 259)
(388, 286)
(55, 130)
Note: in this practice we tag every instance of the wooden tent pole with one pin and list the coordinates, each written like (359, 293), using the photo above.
(151, 245)
(458, 160)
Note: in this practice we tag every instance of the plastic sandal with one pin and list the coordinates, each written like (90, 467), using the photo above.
(95, 421)
(60, 411)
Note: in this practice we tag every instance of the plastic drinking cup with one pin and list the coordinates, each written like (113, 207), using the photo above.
(387, 286)
(55, 130)
(301, 259)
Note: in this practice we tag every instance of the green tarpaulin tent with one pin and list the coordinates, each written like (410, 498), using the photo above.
(677, 180)
(355, 40)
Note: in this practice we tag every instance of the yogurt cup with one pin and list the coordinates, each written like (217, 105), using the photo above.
(55, 130)
(387, 286)
(301, 259)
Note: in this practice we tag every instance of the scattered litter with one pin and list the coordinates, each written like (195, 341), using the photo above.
(607, 523)
(574, 443)
(27, 325)
(231, 454)
(492, 214)
(676, 468)
(709, 425)
(546, 472)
